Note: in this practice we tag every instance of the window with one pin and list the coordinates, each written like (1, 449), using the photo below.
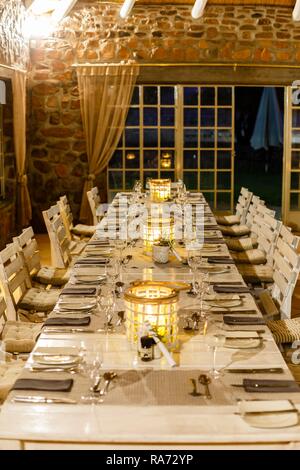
(178, 132)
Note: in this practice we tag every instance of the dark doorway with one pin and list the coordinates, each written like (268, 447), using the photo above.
(260, 170)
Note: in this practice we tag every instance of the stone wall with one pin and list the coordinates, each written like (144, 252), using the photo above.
(95, 33)
(14, 49)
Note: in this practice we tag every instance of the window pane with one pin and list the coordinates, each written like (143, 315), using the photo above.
(207, 96)
(115, 179)
(190, 159)
(132, 137)
(116, 160)
(150, 159)
(132, 159)
(223, 201)
(207, 159)
(207, 138)
(130, 178)
(167, 117)
(133, 117)
(150, 95)
(295, 181)
(150, 138)
(167, 95)
(209, 198)
(224, 159)
(168, 174)
(224, 180)
(207, 180)
(296, 139)
(296, 118)
(224, 96)
(190, 179)
(224, 117)
(295, 201)
(207, 117)
(295, 160)
(190, 117)
(190, 137)
(135, 97)
(224, 138)
(190, 96)
(150, 117)
(167, 138)
(166, 159)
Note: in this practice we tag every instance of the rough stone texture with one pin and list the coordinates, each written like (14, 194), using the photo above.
(95, 33)
(7, 226)
(14, 49)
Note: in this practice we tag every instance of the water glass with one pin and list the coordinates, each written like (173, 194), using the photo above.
(214, 340)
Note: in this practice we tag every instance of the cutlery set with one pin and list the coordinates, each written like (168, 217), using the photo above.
(205, 381)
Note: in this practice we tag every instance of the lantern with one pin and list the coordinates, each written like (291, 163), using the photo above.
(153, 302)
(160, 190)
(156, 229)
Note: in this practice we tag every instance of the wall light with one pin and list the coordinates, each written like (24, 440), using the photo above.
(126, 8)
(296, 11)
(198, 8)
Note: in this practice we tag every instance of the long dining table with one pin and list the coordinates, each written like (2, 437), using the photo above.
(152, 405)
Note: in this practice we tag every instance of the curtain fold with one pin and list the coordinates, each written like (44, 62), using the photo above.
(24, 212)
(105, 96)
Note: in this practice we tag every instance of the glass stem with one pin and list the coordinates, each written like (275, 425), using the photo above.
(214, 358)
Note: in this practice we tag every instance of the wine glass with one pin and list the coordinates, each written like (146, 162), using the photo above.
(202, 288)
(113, 272)
(214, 340)
(91, 368)
(194, 260)
(107, 301)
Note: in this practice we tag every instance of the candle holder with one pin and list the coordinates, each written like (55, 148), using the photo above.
(160, 190)
(153, 302)
(155, 229)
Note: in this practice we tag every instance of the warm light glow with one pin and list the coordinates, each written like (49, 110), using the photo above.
(166, 161)
(153, 302)
(130, 156)
(126, 8)
(160, 190)
(296, 11)
(44, 15)
(198, 8)
(156, 229)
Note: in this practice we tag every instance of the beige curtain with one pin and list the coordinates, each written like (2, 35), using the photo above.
(105, 96)
(19, 121)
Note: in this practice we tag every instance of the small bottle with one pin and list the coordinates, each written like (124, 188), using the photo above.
(146, 349)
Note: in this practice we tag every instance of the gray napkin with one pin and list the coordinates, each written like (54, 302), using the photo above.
(63, 321)
(42, 384)
(219, 260)
(92, 261)
(78, 291)
(228, 320)
(231, 289)
(264, 385)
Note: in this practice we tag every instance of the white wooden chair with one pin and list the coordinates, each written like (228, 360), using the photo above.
(63, 250)
(80, 230)
(23, 301)
(241, 210)
(95, 205)
(46, 275)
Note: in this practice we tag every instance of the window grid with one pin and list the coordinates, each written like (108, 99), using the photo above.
(294, 198)
(215, 193)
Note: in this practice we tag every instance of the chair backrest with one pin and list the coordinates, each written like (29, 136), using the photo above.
(67, 215)
(243, 204)
(59, 241)
(265, 228)
(255, 203)
(14, 278)
(28, 247)
(95, 203)
(286, 270)
(3, 317)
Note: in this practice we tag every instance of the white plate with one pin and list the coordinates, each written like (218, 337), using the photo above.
(54, 360)
(74, 306)
(213, 269)
(89, 278)
(245, 343)
(210, 247)
(269, 413)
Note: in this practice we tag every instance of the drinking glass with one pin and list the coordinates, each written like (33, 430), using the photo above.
(194, 261)
(91, 368)
(214, 340)
(107, 300)
(202, 287)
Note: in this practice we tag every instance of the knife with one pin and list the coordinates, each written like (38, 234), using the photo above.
(67, 330)
(271, 370)
(40, 399)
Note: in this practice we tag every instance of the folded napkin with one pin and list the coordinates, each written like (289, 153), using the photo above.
(220, 260)
(229, 320)
(265, 385)
(42, 384)
(78, 291)
(233, 312)
(231, 289)
(63, 321)
(98, 243)
(91, 261)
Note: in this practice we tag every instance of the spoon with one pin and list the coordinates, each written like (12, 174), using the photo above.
(108, 377)
(204, 380)
(121, 319)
